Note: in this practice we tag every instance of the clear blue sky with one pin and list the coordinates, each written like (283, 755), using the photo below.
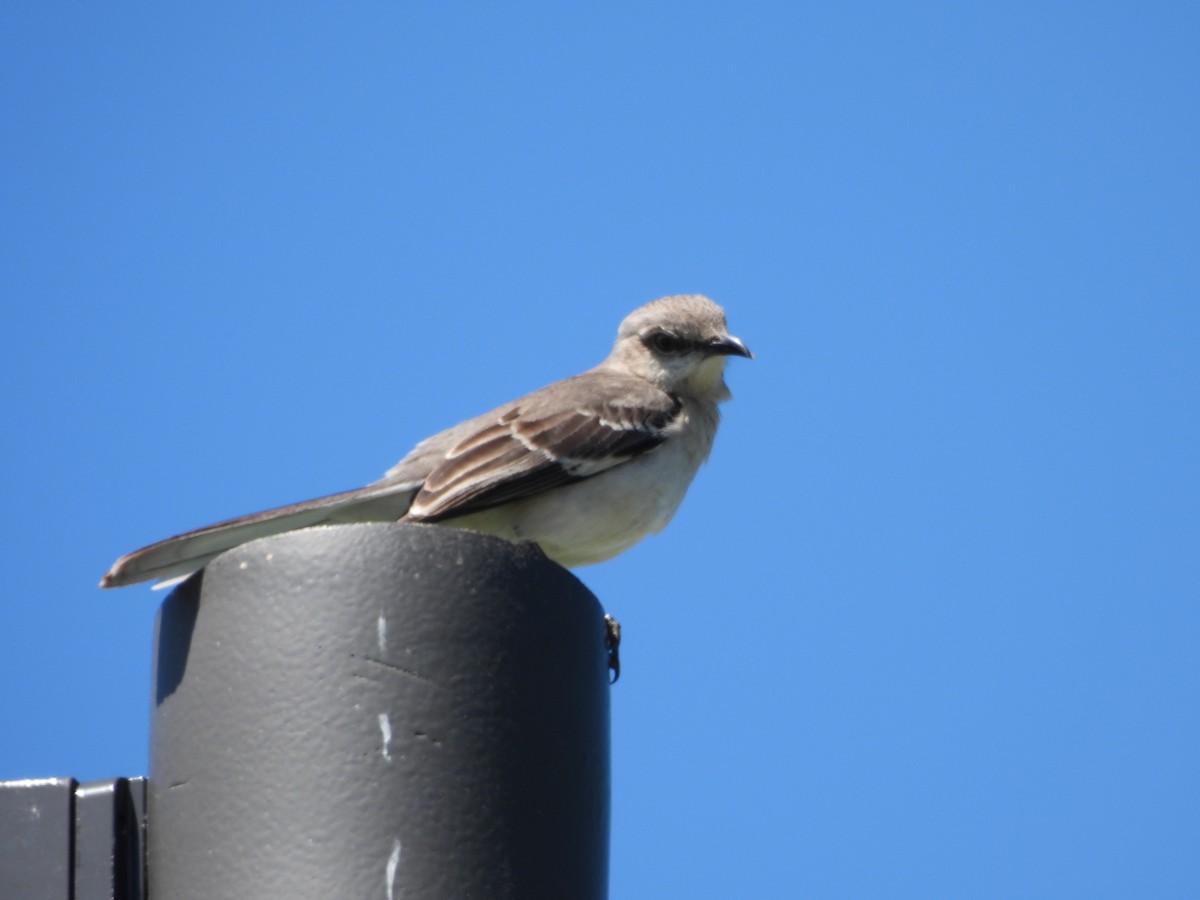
(928, 624)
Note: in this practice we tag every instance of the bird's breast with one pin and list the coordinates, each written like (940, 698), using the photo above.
(592, 520)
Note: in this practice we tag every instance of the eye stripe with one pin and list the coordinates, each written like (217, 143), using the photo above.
(668, 343)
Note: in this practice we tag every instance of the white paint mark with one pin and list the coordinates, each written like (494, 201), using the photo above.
(385, 726)
(393, 864)
(243, 565)
(381, 629)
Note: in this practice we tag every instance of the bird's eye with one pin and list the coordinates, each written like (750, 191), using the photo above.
(665, 342)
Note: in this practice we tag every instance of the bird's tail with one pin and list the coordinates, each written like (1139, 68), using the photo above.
(185, 553)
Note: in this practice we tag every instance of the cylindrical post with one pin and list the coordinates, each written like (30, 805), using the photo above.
(380, 711)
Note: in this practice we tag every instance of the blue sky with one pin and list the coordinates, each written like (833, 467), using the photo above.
(927, 624)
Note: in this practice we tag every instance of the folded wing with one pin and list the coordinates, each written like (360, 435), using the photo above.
(532, 447)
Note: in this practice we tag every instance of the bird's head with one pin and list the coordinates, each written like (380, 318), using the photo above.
(680, 344)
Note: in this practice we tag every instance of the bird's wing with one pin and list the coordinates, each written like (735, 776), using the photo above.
(185, 553)
(572, 430)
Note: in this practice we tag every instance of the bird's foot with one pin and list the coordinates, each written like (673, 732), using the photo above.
(612, 641)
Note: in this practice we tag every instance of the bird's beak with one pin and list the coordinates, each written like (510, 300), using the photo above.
(728, 345)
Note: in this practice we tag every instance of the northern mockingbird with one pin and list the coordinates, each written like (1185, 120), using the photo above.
(585, 467)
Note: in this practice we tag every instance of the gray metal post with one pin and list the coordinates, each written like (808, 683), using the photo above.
(61, 840)
(380, 711)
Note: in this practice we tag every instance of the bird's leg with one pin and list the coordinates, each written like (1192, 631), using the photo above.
(612, 640)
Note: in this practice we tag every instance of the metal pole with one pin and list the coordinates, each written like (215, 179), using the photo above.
(380, 711)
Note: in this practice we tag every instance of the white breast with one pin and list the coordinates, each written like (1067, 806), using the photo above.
(593, 520)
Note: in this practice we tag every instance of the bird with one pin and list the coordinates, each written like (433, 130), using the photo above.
(584, 468)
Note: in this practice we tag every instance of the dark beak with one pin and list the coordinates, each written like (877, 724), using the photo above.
(729, 346)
